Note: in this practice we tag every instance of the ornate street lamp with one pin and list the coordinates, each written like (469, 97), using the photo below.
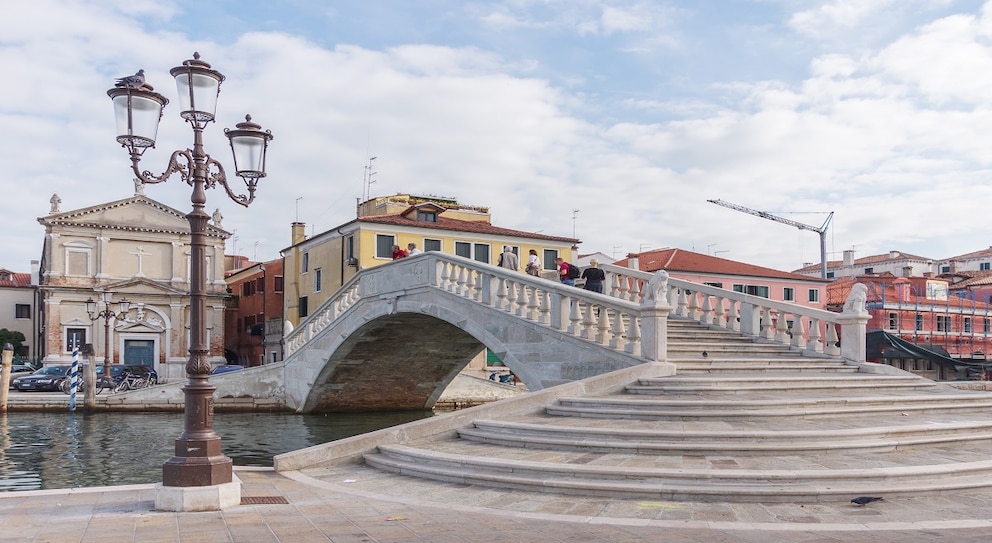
(199, 462)
(106, 314)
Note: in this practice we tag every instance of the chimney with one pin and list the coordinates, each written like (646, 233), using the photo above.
(848, 258)
(299, 232)
(633, 262)
(894, 254)
(35, 272)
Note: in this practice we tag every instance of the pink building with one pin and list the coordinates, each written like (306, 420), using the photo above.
(732, 275)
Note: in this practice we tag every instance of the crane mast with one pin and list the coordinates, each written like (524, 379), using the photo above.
(822, 230)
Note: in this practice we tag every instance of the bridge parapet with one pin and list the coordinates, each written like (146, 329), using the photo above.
(809, 329)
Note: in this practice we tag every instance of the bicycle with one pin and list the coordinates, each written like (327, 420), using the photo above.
(101, 383)
(130, 381)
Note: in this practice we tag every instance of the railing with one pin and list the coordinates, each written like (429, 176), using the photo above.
(631, 317)
(804, 328)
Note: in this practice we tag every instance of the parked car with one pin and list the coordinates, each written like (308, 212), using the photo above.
(18, 370)
(46, 379)
(227, 368)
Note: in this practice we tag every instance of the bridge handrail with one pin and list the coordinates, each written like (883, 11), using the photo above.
(630, 318)
(806, 328)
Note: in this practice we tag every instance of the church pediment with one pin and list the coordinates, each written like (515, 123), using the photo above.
(142, 286)
(138, 213)
(150, 325)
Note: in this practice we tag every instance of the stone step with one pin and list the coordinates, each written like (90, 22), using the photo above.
(701, 408)
(730, 365)
(739, 383)
(733, 485)
(716, 442)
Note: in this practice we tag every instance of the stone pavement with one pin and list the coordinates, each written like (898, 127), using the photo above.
(352, 504)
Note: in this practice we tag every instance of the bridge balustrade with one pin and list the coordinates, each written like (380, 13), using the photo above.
(630, 317)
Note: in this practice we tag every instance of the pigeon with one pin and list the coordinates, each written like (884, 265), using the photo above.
(865, 500)
(135, 81)
(705, 354)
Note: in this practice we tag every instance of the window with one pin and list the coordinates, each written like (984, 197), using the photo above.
(757, 290)
(550, 256)
(830, 275)
(919, 322)
(349, 247)
(74, 338)
(384, 245)
(717, 285)
(869, 270)
(943, 323)
(424, 215)
(260, 284)
(814, 295)
(945, 269)
(302, 307)
(482, 252)
(277, 283)
(247, 288)
(432, 244)
(985, 323)
(305, 263)
(893, 321)
(985, 266)
(789, 294)
(967, 325)
(317, 276)
(738, 288)
(475, 251)
(22, 311)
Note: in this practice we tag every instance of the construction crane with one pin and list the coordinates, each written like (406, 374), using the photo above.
(822, 231)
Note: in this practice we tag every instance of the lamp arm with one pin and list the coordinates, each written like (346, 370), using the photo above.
(175, 166)
(220, 177)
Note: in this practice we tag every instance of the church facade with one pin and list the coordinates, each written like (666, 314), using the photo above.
(138, 249)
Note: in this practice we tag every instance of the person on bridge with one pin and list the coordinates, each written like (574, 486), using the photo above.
(565, 273)
(533, 264)
(398, 253)
(594, 277)
(412, 249)
(508, 260)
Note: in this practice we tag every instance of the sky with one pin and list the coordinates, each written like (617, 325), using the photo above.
(612, 121)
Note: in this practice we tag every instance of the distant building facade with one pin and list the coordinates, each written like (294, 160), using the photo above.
(731, 275)
(316, 267)
(18, 308)
(896, 263)
(253, 322)
(138, 249)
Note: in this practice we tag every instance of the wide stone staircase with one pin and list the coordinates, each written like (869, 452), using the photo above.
(740, 422)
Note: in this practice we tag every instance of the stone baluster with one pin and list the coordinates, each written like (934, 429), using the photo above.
(831, 346)
(706, 311)
(543, 307)
(470, 285)
(559, 311)
(814, 344)
(718, 312)
(522, 300)
(733, 321)
(500, 293)
(588, 320)
(622, 286)
(635, 290)
(574, 317)
(692, 309)
(511, 295)
(615, 285)
(446, 282)
(633, 345)
(619, 332)
(799, 332)
(462, 280)
(781, 327)
(682, 309)
(766, 331)
(603, 336)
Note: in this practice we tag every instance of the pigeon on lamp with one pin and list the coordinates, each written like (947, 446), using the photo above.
(865, 500)
(135, 81)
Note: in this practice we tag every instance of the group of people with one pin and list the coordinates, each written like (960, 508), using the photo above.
(567, 273)
(411, 249)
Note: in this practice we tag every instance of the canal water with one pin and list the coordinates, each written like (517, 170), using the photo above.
(62, 450)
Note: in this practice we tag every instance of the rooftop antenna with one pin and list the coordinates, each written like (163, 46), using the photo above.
(822, 231)
(298, 208)
(367, 180)
(574, 213)
(615, 247)
(254, 255)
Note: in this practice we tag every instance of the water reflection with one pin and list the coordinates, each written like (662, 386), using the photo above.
(59, 450)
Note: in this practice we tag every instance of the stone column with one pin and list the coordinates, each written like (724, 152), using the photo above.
(854, 324)
(654, 318)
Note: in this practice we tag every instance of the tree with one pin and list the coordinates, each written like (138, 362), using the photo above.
(16, 339)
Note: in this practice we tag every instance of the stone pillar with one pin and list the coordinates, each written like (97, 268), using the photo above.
(854, 324)
(654, 318)
(102, 257)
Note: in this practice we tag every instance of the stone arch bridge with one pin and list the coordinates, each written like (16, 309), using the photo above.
(395, 336)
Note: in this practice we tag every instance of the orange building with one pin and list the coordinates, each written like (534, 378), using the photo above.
(253, 319)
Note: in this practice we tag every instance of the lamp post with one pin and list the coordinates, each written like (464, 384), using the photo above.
(199, 476)
(106, 314)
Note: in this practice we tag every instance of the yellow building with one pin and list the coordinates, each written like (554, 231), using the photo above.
(316, 267)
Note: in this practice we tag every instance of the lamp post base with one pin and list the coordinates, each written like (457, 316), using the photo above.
(198, 498)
